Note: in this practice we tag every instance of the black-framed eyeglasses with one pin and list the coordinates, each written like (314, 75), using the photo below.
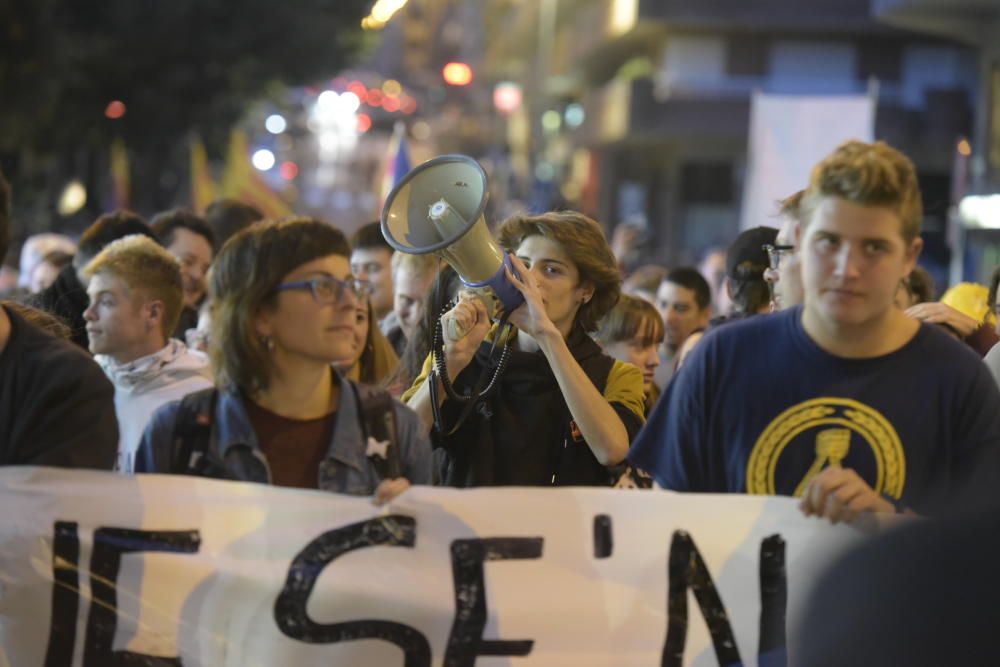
(775, 253)
(327, 289)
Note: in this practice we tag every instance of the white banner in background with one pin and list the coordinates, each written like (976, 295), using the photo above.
(212, 573)
(789, 134)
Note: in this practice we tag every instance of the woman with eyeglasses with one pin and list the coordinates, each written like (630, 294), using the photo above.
(284, 306)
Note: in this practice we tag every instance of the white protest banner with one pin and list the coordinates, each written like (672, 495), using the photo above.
(97, 568)
(788, 135)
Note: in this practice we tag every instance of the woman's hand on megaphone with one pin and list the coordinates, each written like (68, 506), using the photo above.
(463, 328)
(531, 317)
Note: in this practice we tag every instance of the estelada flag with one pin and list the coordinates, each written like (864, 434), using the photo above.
(121, 181)
(202, 184)
(242, 182)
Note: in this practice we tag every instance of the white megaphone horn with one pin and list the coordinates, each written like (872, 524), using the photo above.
(438, 208)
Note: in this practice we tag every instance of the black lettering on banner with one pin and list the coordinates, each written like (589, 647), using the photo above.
(65, 594)
(465, 642)
(603, 542)
(771, 649)
(102, 619)
(685, 570)
(290, 608)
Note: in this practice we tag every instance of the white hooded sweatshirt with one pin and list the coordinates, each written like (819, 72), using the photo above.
(143, 385)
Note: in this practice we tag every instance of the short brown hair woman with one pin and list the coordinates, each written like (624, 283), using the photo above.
(563, 412)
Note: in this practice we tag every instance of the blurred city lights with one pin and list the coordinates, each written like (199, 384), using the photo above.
(391, 104)
(545, 171)
(375, 97)
(72, 199)
(289, 170)
(980, 211)
(275, 123)
(392, 88)
(407, 104)
(327, 100)
(115, 109)
(359, 89)
(364, 122)
(574, 115)
(382, 11)
(507, 97)
(263, 159)
(421, 131)
(349, 102)
(457, 74)
(551, 120)
(964, 148)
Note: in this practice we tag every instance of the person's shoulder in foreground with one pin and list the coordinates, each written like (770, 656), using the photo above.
(56, 405)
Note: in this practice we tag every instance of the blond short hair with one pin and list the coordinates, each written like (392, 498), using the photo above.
(873, 174)
(145, 267)
(422, 266)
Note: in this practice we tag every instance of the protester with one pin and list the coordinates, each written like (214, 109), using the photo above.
(66, 298)
(56, 407)
(47, 270)
(136, 295)
(441, 297)
(412, 277)
(36, 247)
(963, 311)
(684, 301)
(561, 412)
(745, 288)
(632, 332)
(283, 309)
(712, 268)
(922, 595)
(371, 261)
(819, 401)
(783, 274)
(188, 238)
(225, 217)
(644, 281)
(918, 287)
(372, 359)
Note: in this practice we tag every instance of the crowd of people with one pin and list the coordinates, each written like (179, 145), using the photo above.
(809, 359)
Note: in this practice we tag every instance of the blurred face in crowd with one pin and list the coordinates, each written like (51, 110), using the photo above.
(312, 326)
(120, 322)
(361, 324)
(411, 289)
(558, 279)
(853, 260)
(374, 265)
(784, 275)
(713, 269)
(194, 253)
(678, 306)
(641, 350)
(44, 275)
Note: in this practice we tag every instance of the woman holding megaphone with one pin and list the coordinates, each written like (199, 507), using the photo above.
(561, 412)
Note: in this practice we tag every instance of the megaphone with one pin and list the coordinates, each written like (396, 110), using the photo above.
(438, 208)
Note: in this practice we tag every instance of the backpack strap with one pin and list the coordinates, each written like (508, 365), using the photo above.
(377, 415)
(193, 431)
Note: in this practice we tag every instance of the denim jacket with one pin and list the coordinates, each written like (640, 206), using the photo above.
(234, 450)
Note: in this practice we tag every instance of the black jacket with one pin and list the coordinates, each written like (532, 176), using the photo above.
(56, 405)
(524, 434)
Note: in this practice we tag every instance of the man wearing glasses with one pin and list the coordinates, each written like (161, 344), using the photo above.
(844, 401)
(782, 273)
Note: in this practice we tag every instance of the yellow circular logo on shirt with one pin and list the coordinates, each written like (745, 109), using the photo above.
(830, 427)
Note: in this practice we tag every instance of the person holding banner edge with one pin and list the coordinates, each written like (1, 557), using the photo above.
(562, 413)
(857, 408)
(284, 305)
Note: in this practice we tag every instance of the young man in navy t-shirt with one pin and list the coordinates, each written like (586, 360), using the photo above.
(845, 401)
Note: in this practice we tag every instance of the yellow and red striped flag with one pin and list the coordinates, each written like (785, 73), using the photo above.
(202, 184)
(242, 182)
(120, 177)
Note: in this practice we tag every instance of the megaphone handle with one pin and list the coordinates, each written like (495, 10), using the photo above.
(478, 391)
